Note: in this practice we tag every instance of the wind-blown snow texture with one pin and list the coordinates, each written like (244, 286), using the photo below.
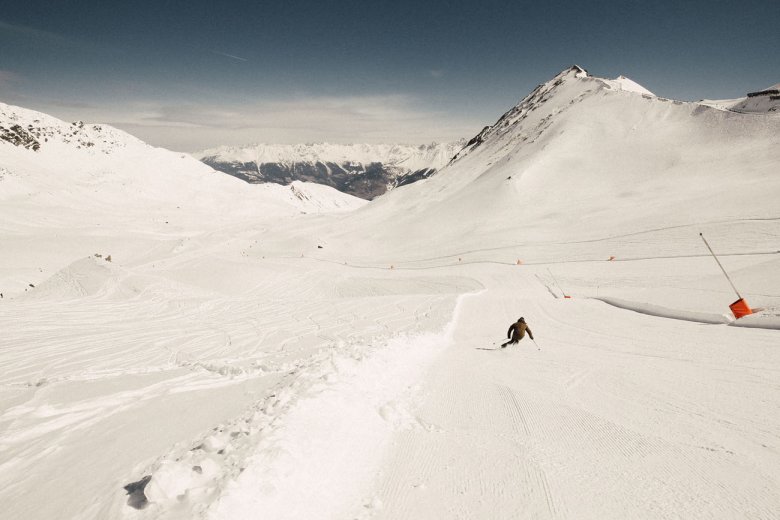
(363, 170)
(238, 358)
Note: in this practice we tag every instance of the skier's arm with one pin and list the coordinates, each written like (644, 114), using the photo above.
(509, 332)
(530, 334)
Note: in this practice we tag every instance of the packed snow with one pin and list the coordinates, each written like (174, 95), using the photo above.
(260, 351)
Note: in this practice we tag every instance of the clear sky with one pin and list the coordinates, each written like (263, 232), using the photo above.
(194, 74)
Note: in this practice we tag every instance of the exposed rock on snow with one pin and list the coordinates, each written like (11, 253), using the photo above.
(540, 95)
(18, 136)
(34, 130)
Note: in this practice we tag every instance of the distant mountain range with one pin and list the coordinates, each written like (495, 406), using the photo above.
(362, 170)
(90, 166)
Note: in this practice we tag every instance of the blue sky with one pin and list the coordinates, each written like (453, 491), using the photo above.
(196, 74)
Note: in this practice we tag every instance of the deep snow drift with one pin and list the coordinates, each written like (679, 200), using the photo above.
(238, 358)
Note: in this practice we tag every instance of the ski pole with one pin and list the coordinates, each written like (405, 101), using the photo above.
(535, 343)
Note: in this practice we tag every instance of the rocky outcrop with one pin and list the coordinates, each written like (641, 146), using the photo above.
(37, 131)
(18, 136)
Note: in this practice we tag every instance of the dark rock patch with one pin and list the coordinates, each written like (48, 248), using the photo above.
(135, 490)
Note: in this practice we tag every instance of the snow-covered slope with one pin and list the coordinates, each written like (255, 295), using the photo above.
(114, 164)
(547, 166)
(57, 177)
(36, 130)
(762, 101)
(360, 169)
(759, 102)
(222, 362)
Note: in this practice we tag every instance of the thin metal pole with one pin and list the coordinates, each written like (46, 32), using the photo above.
(720, 265)
(556, 282)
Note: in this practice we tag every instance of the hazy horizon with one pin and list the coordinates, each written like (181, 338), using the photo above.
(194, 75)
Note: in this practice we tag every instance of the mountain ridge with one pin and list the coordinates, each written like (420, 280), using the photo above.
(575, 140)
(363, 170)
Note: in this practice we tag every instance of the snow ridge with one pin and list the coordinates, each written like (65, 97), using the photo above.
(46, 163)
(573, 83)
(540, 95)
(36, 131)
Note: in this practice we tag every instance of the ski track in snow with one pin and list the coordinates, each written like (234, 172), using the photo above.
(180, 352)
(522, 433)
(504, 434)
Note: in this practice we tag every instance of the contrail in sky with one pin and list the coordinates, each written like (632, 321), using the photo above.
(230, 56)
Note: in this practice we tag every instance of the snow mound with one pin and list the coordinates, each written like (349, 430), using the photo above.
(319, 198)
(84, 277)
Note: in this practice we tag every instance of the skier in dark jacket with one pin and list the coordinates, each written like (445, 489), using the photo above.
(517, 331)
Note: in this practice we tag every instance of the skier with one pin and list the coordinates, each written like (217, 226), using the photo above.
(517, 330)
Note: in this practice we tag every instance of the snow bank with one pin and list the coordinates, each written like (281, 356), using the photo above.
(326, 433)
(665, 312)
(331, 443)
(761, 319)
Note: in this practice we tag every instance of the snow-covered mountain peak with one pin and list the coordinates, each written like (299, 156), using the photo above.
(575, 142)
(566, 87)
(575, 71)
(527, 120)
(628, 85)
(365, 170)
